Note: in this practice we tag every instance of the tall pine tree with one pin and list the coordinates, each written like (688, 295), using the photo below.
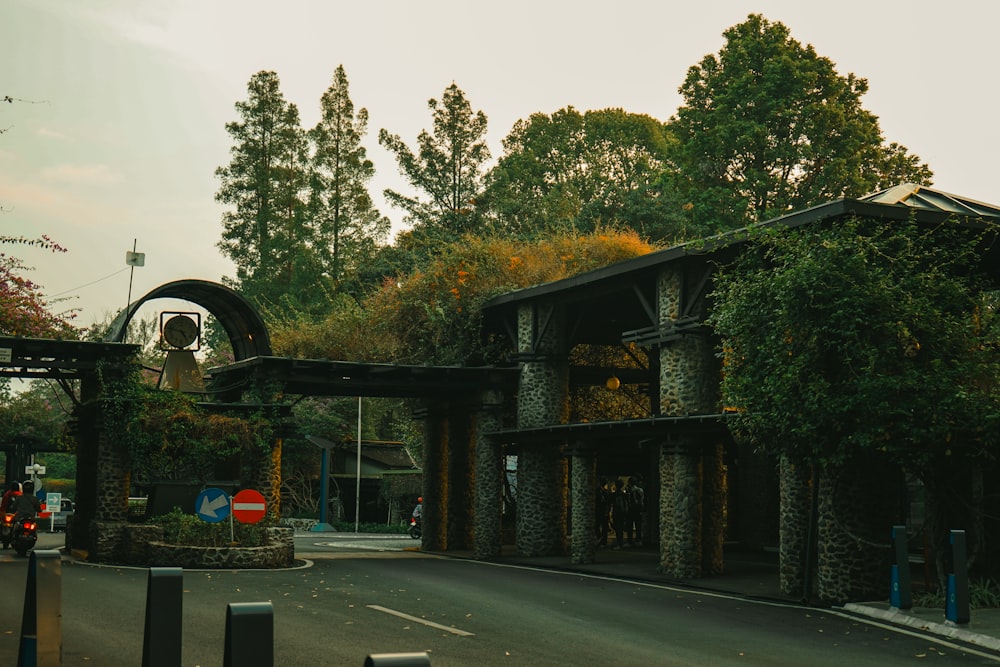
(340, 206)
(268, 234)
(447, 168)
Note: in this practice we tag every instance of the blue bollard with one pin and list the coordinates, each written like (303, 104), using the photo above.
(161, 644)
(956, 607)
(901, 593)
(249, 635)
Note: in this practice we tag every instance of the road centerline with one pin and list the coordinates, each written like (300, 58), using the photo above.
(423, 621)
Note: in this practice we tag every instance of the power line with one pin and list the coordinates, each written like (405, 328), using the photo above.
(93, 282)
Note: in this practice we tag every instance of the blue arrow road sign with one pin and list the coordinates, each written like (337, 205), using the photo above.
(212, 505)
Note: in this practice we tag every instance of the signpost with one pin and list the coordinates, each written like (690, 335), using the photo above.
(212, 505)
(53, 504)
(249, 506)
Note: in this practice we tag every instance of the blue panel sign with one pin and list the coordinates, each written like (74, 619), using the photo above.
(212, 505)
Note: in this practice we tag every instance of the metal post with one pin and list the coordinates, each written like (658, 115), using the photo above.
(324, 485)
(901, 594)
(957, 602)
(41, 622)
(249, 635)
(357, 491)
(161, 645)
(398, 660)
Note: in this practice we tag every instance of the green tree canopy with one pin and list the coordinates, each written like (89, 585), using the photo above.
(433, 314)
(447, 168)
(768, 126)
(267, 234)
(578, 172)
(341, 207)
(863, 336)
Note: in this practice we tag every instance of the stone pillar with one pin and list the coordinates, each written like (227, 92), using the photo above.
(583, 504)
(435, 509)
(713, 518)
(691, 523)
(680, 511)
(795, 483)
(858, 504)
(489, 479)
(542, 401)
(461, 477)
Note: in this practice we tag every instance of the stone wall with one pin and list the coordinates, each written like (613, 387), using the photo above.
(142, 545)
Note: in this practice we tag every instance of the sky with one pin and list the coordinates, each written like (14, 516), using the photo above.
(117, 123)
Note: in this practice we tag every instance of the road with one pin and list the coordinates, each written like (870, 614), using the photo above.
(361, 596)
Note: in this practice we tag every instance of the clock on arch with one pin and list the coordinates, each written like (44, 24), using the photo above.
(180, 330)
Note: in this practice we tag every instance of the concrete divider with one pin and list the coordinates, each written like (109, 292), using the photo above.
(162, 640)
(41, 620)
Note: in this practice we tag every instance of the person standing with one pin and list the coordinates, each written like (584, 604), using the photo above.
(602, 511)
(620, 511)
(637, 506)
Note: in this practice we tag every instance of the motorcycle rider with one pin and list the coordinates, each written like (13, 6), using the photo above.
(12, 492)
(27, 504)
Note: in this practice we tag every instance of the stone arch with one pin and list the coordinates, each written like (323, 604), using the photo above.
(238, 317)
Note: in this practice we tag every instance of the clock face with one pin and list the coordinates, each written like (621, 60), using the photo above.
(180, 331)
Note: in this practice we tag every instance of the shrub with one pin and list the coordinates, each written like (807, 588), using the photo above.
(188, 530)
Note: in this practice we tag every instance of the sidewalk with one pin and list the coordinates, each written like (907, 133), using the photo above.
(755, 575)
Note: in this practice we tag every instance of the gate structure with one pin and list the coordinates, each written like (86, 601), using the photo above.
(702, 488)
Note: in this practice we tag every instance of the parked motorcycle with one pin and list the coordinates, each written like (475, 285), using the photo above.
(25, 535)
(415, 531)
(7, 529)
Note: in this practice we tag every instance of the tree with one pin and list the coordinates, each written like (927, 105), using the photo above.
(869, 346)
(860, 337)
(24, 310)
(768, 126)
(268, 234)
(573, 171)
(448, 168)
(340, 206)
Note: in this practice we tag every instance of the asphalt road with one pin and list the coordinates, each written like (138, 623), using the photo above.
(363, 596)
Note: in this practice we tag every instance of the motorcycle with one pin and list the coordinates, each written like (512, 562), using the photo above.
(415, 531)
(25, 535)
(7, 529)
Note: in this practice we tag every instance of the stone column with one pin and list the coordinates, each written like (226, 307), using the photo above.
(461, 477)
(680, 511)
(795, 483)
(583, 504)
(713, 518)
(689, 537)
(489, 479)
(858, 504)
(542, 401)
(435, 509)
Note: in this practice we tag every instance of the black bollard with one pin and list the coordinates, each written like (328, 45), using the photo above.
(249, 635)
(398, 660)
(161, 644)
(901, 594)
(41, 622)
(956, 607)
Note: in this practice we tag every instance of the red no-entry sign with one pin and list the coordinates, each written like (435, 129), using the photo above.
(249, 506)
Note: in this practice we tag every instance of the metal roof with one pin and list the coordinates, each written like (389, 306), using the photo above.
(615, 298)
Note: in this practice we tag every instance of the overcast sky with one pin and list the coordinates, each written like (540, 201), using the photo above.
(118, 121)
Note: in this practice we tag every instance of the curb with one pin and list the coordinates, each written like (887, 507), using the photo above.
(946, 629)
